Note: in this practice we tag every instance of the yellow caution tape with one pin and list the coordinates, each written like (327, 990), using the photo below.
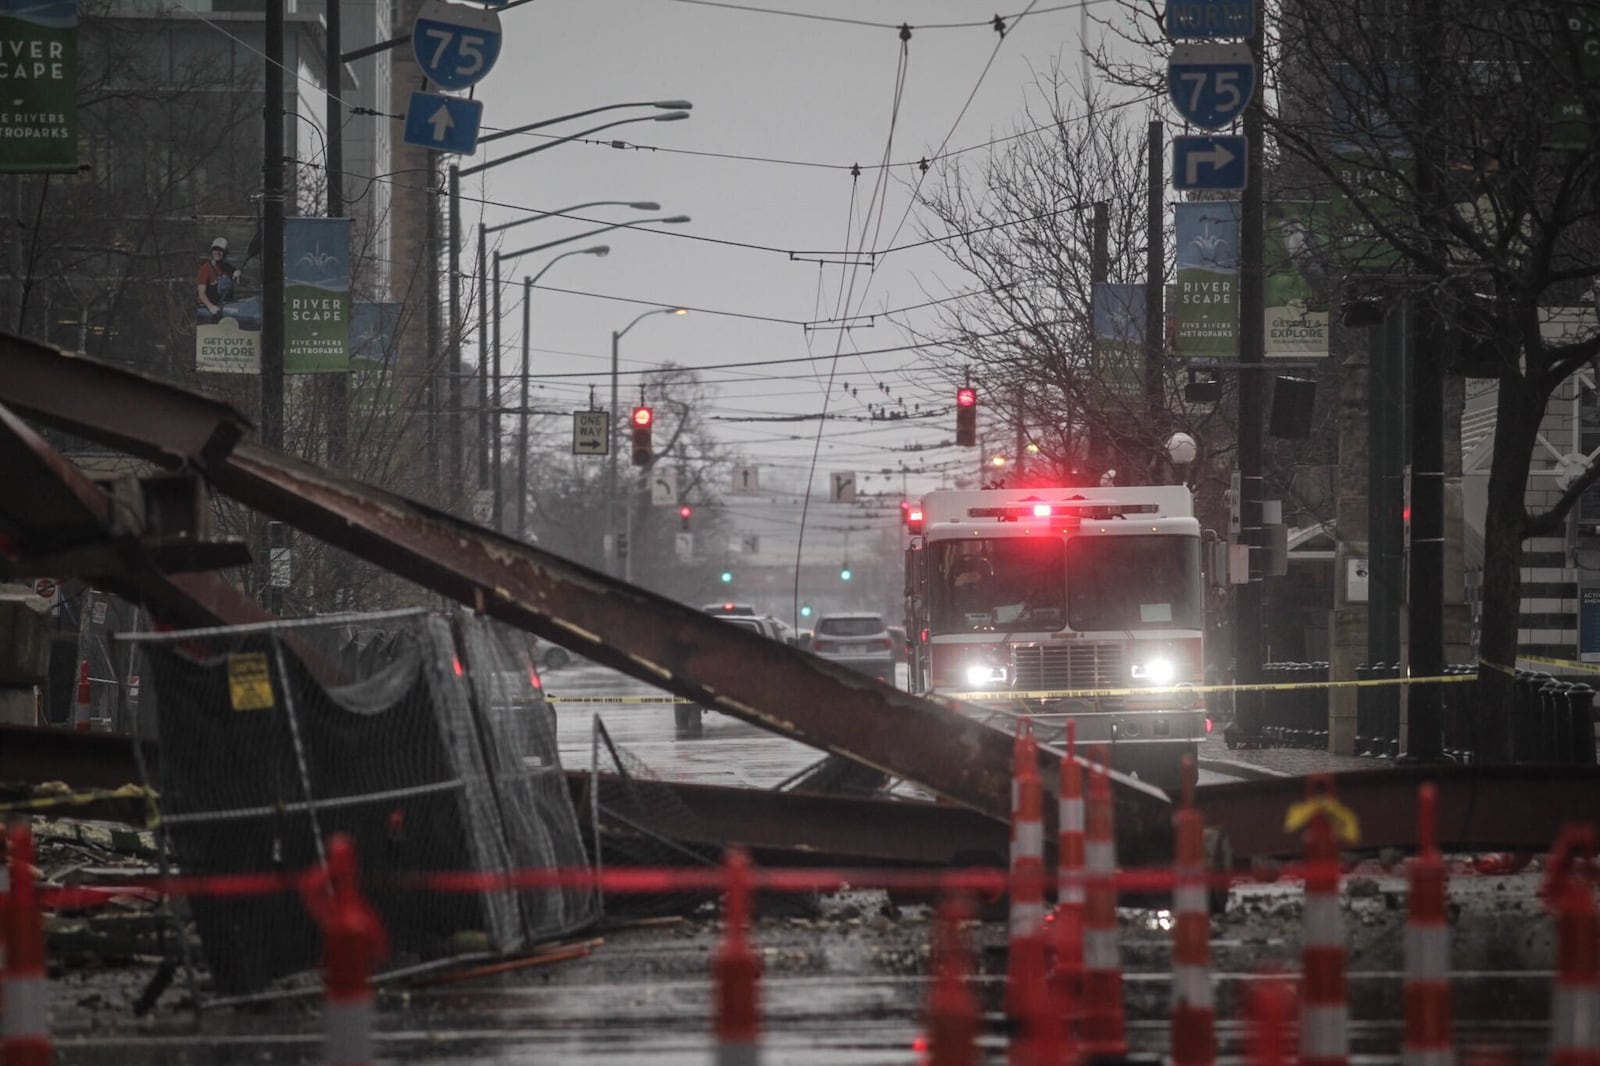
(1565, 664)
(1343, 820)
(77, 799)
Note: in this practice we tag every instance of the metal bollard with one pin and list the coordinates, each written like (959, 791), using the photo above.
(1363, 709)
(1551, 695)
(1321, 672)
(1580, 705)
(1524, 716)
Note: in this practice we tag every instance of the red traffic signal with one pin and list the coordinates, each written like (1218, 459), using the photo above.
(643, 419)
(966, 416)
(684, 512)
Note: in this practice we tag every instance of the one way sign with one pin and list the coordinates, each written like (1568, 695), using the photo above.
(443, 123)
(1208, 163)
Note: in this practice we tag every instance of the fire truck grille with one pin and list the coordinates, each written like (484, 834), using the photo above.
(1079, 664)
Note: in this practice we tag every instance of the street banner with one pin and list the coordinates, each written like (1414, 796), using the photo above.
(372, 343)
(1207, 234)
(1297, 276)
(1119, 327)
(316, 295)
(227, 331)
(39, 68)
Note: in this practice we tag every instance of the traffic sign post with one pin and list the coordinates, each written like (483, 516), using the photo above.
(1206, 19)
(1209, 163)
(1210, 84)
(443, 123)
(591, 432)
(455, 46)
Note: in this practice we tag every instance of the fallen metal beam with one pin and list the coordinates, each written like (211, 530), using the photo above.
(664, 643)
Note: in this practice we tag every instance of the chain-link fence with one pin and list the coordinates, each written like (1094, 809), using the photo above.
(429, 743)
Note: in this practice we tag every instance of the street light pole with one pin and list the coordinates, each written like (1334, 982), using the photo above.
(611, 451)
(600, 250)
(487, 475)
(678, 110)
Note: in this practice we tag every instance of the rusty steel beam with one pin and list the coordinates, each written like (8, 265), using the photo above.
(1512, 808)
(115, 407)
(676, 648)
(808, 828)
(56, 501)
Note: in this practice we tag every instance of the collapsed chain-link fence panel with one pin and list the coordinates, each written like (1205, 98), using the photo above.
(273, 737)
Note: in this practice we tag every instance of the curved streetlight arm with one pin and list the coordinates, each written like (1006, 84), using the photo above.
(601, 250)
(674, 105)
(637, 205)
(501, 257)
(670, 116)
(618, 335)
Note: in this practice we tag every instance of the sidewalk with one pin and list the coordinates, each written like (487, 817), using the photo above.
(1277, 762)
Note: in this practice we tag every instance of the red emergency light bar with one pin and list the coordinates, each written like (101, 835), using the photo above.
(1068, 509)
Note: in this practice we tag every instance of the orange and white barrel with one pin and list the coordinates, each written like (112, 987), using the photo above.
(24, 991)
(1194, 1041)
(1066, 978)
(1027, 1000)
(1575, 1000)
(1426, 1041)
(737, 972)
(1103, 1029)
(1324, 1010)
(953, 1018)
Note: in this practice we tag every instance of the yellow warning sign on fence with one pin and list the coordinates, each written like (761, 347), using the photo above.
(249, 681)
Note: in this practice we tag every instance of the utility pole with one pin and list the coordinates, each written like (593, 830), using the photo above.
(436, 491)
(483, 358)
(1155, 266)
(337, 385)
(271, 283)
(522, 415)
(458, 483)
(1252, 351)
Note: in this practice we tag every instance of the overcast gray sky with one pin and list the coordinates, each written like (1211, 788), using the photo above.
(784, 105)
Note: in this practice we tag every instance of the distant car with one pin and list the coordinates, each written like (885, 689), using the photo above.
(688, 719)
(858, 640)
(782, 630)
(740, 609)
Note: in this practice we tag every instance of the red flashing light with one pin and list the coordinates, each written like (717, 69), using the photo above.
(643, 416)
(914, 520)
(1041, 510)
(685, 511)
(966, 397)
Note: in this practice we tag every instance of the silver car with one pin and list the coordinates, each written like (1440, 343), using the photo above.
(857, 639)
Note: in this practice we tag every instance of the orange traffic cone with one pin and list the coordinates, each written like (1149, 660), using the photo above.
(81, 714)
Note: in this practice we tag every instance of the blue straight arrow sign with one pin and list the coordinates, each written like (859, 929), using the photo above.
(443, 123)
(1213, 163)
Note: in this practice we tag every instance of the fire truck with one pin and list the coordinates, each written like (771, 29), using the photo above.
(1065, 603)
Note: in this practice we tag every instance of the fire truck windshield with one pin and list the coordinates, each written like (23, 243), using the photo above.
(1134, 582)
(997, 584)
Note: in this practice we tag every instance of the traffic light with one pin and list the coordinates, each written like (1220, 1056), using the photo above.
(967, 416)
(727, 577)
(805, 610)
(844, 572)
(684, 512)
(643, 419)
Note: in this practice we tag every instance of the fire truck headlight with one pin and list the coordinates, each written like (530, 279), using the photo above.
(983, 675)
(1156, 671)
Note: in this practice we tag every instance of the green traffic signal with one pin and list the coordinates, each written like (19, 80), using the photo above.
(844, 574)
(727, 576)
(805, 611)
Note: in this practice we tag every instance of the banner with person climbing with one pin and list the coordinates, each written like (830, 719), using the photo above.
(39, 68)
(227, 330)
(316, 295)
